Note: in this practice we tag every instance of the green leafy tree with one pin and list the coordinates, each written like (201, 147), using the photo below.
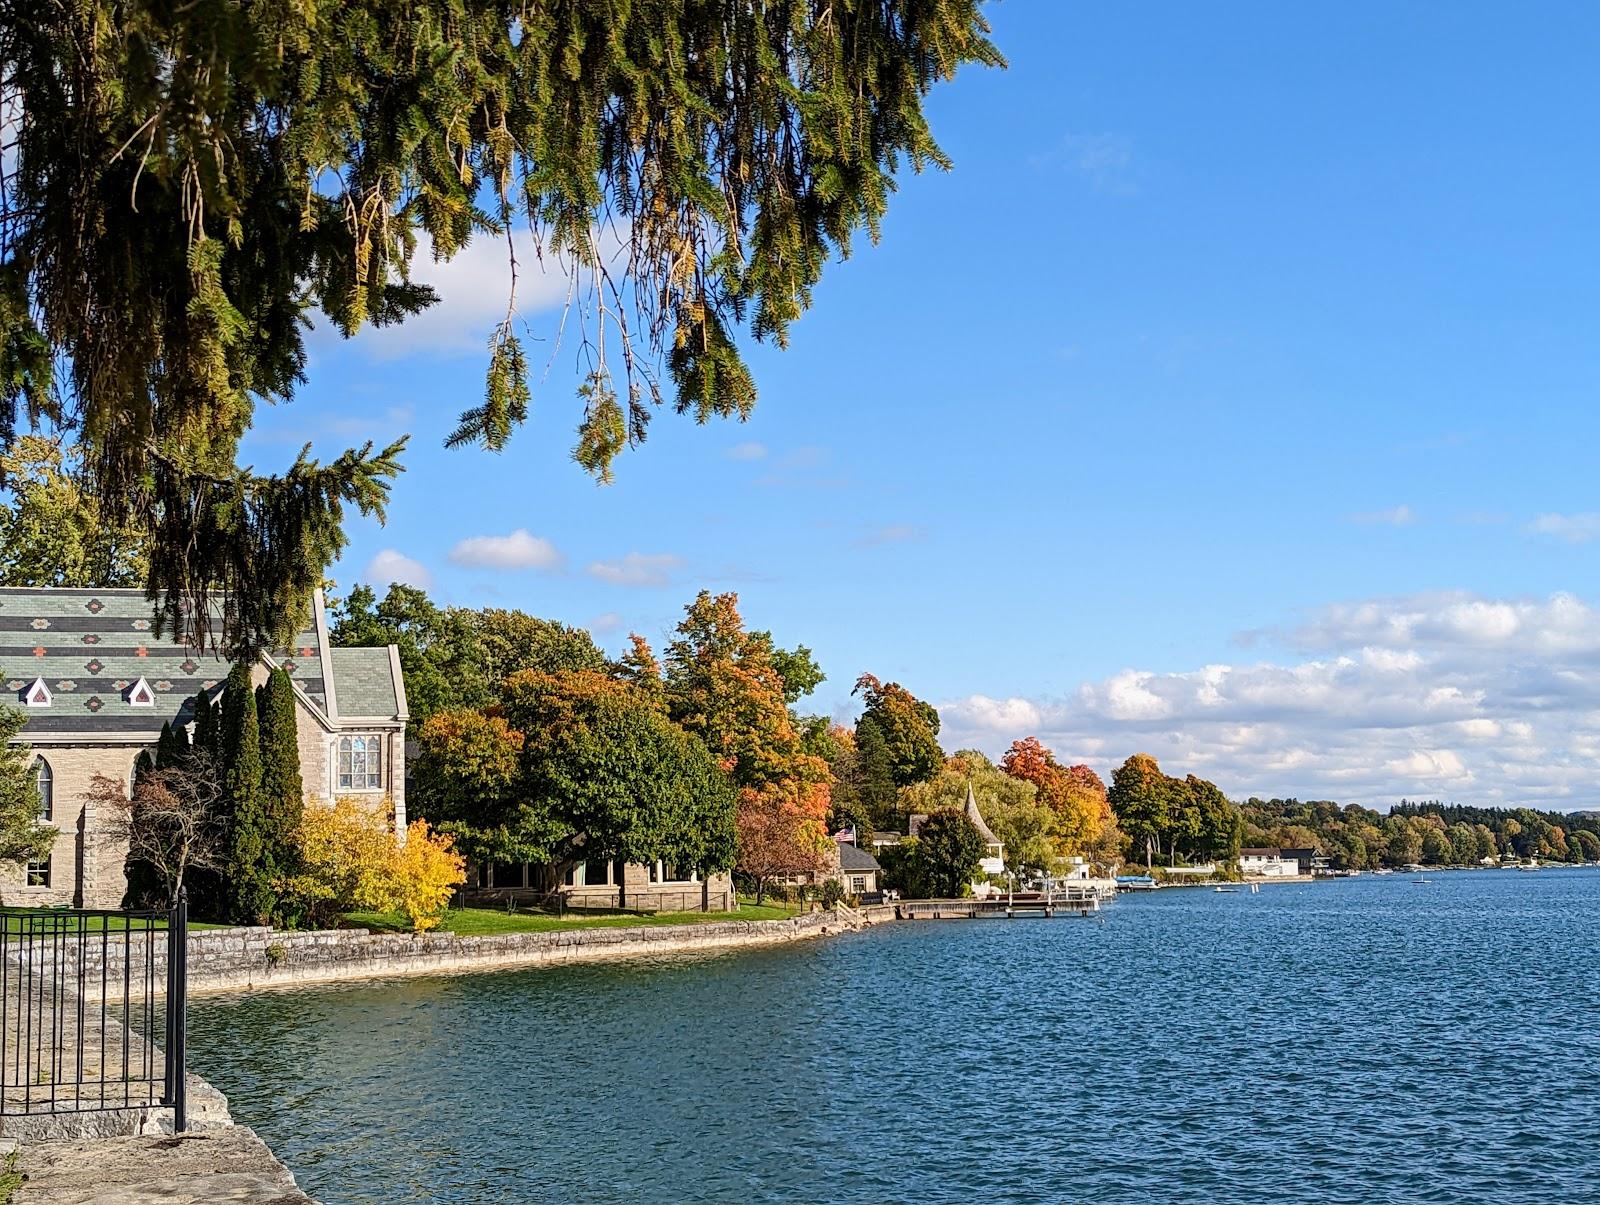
(463, 783)
(902, 869)
(439, 653)
(577, 765)
(282, 792)
(249, 896)
(24, 837)
(897, 737)
(509, 641)
(1026, 831)
(800, 673)
(949, 852)
(52, 529)
(186, 181)
(1217, 825)
(1141, 797)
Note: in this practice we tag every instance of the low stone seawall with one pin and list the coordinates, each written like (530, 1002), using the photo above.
(223, 960)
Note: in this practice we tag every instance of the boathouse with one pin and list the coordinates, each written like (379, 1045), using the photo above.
(859, 872)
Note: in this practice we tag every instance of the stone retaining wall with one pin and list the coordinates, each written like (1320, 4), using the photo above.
(222, 960)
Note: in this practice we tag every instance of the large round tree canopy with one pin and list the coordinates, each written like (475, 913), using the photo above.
(182, 183)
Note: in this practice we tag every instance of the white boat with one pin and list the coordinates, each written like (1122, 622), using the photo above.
(1529, 866)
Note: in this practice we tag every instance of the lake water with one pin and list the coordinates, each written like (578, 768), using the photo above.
(1364, 1040)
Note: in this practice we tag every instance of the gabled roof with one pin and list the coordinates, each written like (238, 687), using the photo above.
(91, 646)
(367, 684)
(854, 859)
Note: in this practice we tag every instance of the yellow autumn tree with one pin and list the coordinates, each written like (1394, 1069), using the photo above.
(350, 862)
(427, 871)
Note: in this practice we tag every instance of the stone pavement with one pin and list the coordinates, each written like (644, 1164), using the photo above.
(227, 1165)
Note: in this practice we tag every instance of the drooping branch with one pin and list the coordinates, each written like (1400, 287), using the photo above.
(179, 185)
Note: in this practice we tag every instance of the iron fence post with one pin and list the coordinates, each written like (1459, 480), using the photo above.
(178, 1010)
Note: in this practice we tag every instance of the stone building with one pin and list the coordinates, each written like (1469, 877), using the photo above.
(96, 687)
(601, 883)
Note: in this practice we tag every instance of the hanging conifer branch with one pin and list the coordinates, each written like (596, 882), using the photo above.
(179, 184)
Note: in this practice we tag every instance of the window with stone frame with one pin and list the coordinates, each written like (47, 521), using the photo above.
(597, 872)
(39, 873)
(358, 763)
(44, 782)
(665, 872)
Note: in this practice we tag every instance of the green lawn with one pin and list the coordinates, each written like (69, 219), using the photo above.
(112, 923)
(480, 922)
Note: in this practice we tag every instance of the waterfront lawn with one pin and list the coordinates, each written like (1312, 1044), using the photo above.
(485, 922)
(111, 922)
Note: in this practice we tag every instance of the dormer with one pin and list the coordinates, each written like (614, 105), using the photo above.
(140, 695)
(37, 694)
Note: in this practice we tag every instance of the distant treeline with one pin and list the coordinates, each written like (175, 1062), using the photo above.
(1430, 833)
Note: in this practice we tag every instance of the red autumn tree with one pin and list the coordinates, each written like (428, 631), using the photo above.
(1075, 794)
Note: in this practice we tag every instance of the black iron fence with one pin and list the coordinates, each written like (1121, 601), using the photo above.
(93, 1010)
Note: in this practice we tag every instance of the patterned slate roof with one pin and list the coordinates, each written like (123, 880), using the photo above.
(91, 646)
(363, 682)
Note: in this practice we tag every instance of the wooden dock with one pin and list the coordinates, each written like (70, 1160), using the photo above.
(1081, 902)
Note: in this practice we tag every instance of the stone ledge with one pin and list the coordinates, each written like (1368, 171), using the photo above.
(227, 1164)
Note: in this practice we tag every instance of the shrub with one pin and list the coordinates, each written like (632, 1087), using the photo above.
(427, 871)
(350, 860)
(832, 893)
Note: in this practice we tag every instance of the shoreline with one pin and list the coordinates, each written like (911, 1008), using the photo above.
(221, 961)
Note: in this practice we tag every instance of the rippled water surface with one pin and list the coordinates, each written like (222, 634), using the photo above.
(1366, 1040)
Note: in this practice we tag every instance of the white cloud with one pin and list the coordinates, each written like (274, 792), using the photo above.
(1575, 529)
(473, 289)
(749, 450)
(1395, 516)
(1492, 701)
(392, 566)
(601, 625)
(519, 550)
(637, 569)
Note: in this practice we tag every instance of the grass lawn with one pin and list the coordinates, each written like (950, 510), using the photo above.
(111, 923)
(481, 922)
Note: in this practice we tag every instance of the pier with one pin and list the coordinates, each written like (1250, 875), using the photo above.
(1070, 901)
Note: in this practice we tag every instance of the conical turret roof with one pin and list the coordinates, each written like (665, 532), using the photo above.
(974, 815)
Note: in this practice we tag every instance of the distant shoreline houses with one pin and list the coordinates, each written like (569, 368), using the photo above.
(1274, 863)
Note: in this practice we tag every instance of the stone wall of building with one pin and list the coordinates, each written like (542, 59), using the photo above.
(83, 853)
(316, 745)
(245, 958)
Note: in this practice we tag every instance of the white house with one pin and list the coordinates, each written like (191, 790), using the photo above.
(1267, 864)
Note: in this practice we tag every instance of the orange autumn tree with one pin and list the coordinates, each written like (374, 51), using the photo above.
(1084, 821)
(723, 684)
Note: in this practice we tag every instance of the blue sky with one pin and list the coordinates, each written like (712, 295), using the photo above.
(1262, 343)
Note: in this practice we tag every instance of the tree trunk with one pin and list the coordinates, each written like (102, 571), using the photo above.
(620, 870)
(761, 888)
(705, 892)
